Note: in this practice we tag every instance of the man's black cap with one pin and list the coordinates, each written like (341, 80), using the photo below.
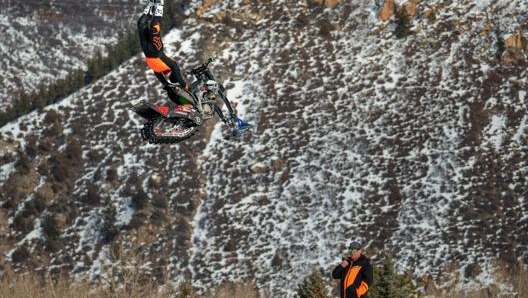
(354, 245)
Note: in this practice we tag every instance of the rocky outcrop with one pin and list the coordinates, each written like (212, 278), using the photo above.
(328, 3)
(205, 5)
(245, 15)
(516, 41)
(8, 148)
(410, 8)
(387, 10)
(516, 47)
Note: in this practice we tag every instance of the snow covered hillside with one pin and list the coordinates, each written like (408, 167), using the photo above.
(406, 131)
(44, 40)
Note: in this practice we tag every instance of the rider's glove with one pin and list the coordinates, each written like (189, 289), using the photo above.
(159, 8)
(150, 7)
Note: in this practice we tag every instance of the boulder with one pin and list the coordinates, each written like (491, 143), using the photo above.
(410, 9)
(8, 147)
(516, 41)
(331, 3)
(387, 10)
(258, 168)
(428, 14)
(327, 3)
(205, 5)
(516, 47)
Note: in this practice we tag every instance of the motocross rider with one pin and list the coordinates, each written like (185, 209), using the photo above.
(149, 29)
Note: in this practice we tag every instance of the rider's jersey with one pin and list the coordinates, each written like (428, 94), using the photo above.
(150, 36)
(149, 28)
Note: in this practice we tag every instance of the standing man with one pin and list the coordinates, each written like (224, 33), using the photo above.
(355, 273)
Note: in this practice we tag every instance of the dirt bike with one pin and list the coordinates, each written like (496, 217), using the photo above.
(175, 122)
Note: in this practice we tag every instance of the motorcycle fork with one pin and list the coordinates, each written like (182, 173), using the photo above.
(232, 115)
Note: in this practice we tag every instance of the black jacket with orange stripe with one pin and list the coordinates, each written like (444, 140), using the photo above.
(356, 278)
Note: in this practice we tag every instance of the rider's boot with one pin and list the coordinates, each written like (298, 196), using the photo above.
(171, 94)
(241, 124)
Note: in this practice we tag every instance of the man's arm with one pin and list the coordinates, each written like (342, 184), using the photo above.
(339, 269)
(366, 281)
(337, 273)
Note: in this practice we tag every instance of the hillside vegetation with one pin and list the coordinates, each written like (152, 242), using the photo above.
(387, 284)
(400, 124)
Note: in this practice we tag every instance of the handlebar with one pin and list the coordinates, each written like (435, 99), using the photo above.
(206, 63)
(202, 67)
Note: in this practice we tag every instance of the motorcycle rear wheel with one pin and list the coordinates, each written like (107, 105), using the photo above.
(161, 130)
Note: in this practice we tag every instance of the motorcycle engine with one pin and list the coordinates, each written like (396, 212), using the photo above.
(209, 90)
(209, 96)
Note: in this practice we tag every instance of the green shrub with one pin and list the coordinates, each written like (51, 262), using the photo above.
(159, 201)
(59, 166)
(22, 224)
(20, 254)
(500, 46)
(139, 200)
(312, 286)
(73, 151)
(108, 230)
(389, 284)
(158, 218)
(49, 226)
(52, 117)
(52, 232)
(112, 175)
(403, 24)
(325, 28)
(23, 165)
(96, 155)
(92, 196)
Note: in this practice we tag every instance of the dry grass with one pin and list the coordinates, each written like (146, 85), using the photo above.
(31, 286)
(34, 286)
(234, 291)
(515, 278)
